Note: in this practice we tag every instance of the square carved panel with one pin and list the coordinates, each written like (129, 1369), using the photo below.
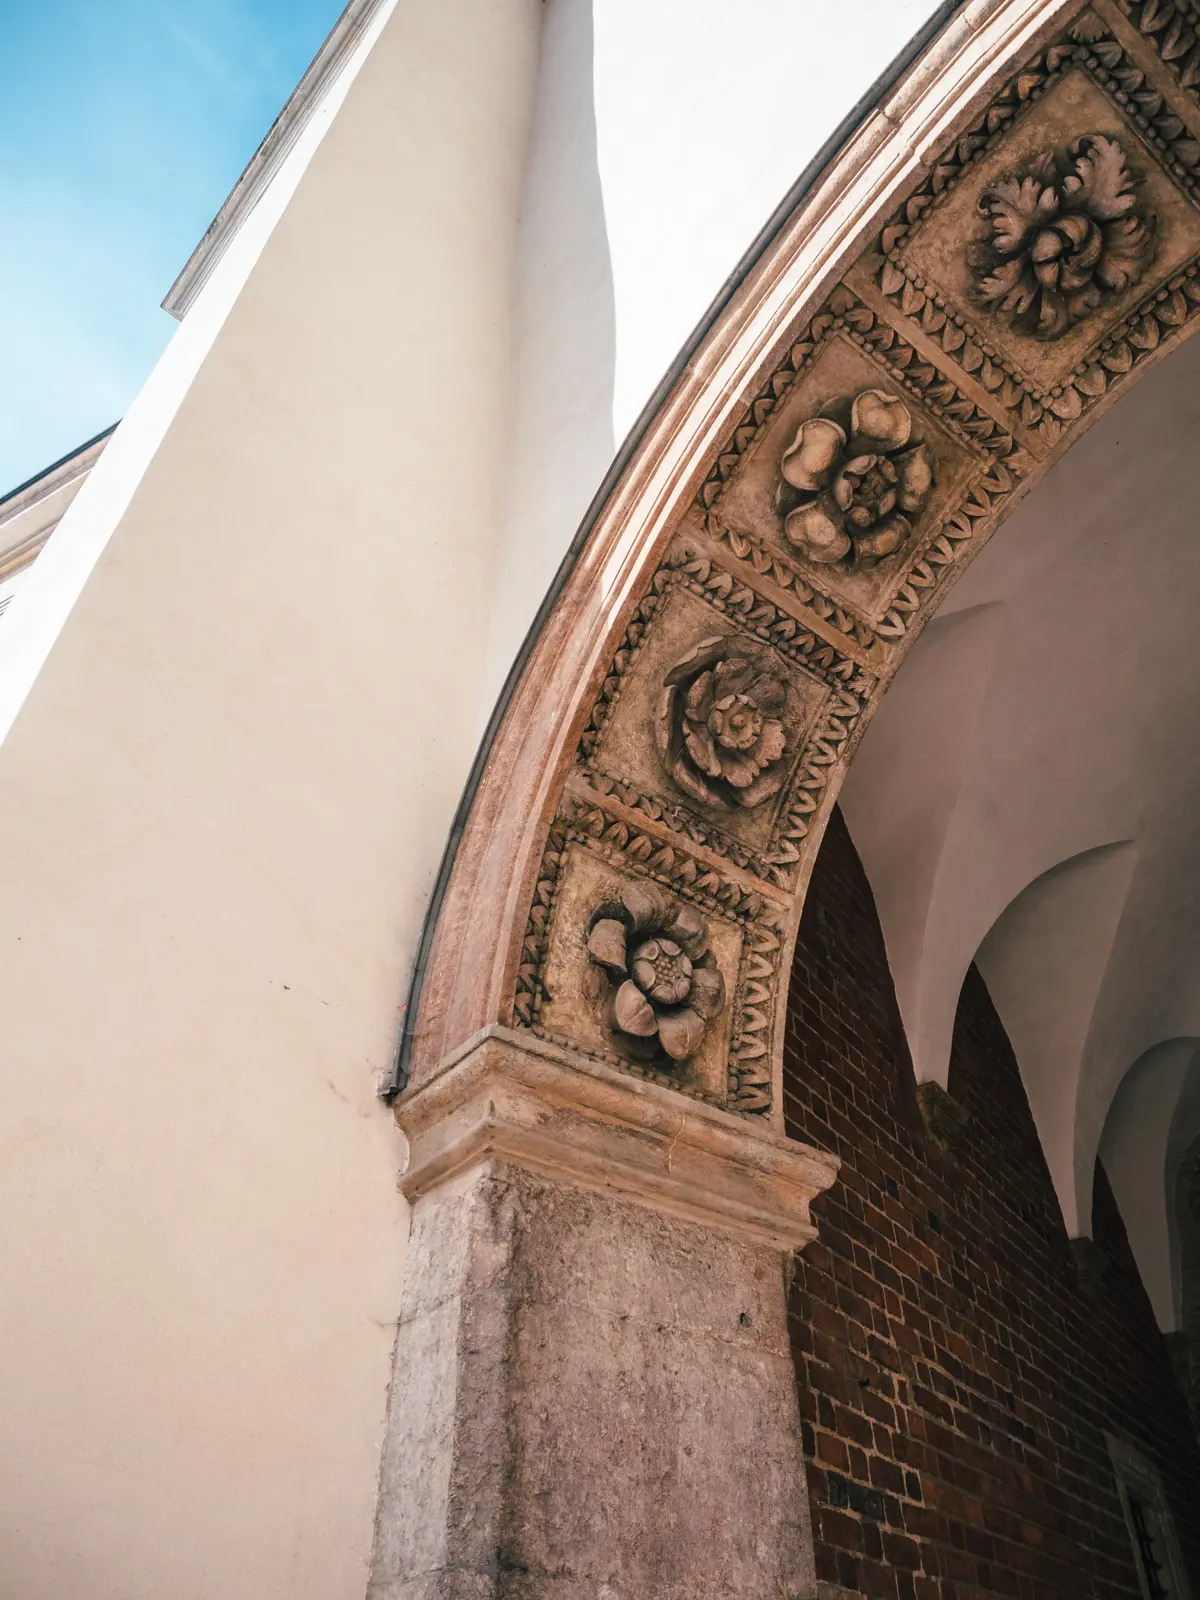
(1074, 108)
(756, 498)
(644, 740)
(578, 995)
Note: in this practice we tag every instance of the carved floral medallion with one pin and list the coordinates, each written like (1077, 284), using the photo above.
(718, 729)
(1066, 234)
(1087, 178)
(848, 494)
(664, 986)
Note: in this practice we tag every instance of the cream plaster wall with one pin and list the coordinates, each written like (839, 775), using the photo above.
(665, 135)
(1044, 960)
(564, 332)
(220, 809)
(707, 111)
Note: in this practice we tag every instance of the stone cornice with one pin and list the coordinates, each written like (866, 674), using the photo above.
(266, 161)
(30, 513)
(516, 1098)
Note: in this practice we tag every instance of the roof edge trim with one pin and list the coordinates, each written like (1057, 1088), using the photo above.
(67, 467)
(258, 173)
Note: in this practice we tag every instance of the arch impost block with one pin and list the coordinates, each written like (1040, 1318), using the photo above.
(511, 1097)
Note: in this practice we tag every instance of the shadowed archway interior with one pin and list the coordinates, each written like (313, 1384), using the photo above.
(1026, 796)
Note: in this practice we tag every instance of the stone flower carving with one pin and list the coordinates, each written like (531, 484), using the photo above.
(718, 730)
(1064, 236)
(664, 987)
(851, 495)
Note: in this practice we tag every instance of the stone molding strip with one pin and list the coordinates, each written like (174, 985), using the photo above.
(512, 1097)
(30, 513)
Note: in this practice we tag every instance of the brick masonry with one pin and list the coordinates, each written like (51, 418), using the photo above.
(955, 1380)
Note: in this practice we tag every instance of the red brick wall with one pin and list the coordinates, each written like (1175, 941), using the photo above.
(955, 1381)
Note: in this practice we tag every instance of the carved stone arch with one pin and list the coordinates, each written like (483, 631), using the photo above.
(990, 260)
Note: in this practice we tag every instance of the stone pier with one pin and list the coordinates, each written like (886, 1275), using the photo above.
(593, 1392)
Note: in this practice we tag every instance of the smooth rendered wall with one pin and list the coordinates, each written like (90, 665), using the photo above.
(563, 316)
(665, 135)
(220, 809)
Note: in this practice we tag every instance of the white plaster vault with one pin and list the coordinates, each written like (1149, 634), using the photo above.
(1027, 795)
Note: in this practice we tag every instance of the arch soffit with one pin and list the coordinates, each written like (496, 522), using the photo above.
(866, 288)
(1142, 1148)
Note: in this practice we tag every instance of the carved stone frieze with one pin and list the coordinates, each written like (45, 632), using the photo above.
(702, 637)
(1082, 111)
(1041, 256)
(718, 727)
(597, 860)
(968, 464)
(657, 980)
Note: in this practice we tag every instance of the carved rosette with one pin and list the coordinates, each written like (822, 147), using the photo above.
(848, 495)
(1065, 235)
(718, 729)
(658, 983)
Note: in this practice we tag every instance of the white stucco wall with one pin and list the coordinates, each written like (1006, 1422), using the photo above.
(707, 111)
(665, 136)
(220, 809)
(242, 690)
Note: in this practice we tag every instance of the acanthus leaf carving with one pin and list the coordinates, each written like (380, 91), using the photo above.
(1066, 234)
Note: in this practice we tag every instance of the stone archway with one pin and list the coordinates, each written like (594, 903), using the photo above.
(992, 259)
(892, 321)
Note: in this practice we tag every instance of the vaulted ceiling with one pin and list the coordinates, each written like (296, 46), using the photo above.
(1028, 795)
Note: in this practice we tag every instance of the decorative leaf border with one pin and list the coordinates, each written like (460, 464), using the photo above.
(1174, 31)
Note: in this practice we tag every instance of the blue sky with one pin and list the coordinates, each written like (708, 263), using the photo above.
(123, 125)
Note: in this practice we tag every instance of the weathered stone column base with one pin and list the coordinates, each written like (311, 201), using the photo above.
(594, 1397)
